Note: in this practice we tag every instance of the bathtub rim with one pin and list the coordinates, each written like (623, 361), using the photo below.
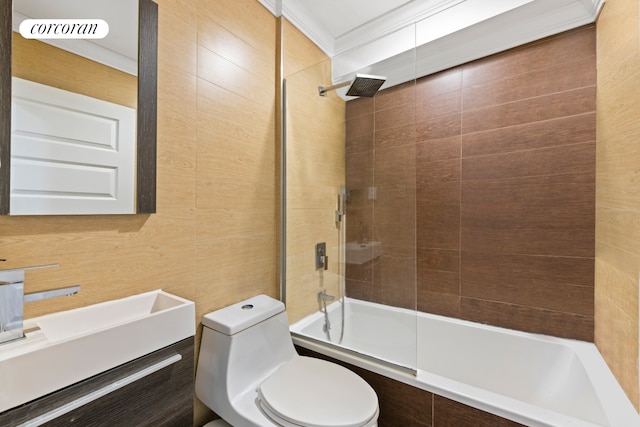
(490, 402)
(616, 405)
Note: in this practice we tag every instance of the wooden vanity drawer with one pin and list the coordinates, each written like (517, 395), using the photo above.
(154, 390)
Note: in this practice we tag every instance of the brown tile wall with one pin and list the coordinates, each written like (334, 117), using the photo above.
(381, 154)
(493, 163)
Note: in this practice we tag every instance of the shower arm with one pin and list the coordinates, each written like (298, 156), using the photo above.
(323, 90)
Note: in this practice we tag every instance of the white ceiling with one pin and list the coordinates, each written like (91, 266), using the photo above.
(405, 39)
(339, 17)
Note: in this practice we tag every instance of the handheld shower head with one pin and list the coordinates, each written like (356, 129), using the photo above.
(362, 85)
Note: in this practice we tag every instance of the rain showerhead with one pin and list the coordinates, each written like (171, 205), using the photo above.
(362, 85)
(365, 85)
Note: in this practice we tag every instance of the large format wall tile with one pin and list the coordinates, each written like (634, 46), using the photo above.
(503, 152)
(618, 194)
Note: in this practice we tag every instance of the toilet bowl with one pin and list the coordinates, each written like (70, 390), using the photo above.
(250, 374)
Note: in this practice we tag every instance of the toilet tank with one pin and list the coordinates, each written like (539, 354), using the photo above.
(242, 345)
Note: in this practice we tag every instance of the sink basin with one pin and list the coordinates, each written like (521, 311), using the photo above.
(359, 253)
(70, 346)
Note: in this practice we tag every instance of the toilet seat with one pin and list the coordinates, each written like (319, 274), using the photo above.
(314, 393)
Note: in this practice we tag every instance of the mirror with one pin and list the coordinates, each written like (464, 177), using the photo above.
(121, 68)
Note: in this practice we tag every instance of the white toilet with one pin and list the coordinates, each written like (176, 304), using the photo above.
(250, 374)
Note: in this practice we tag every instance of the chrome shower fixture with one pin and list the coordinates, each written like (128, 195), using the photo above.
(362, 85)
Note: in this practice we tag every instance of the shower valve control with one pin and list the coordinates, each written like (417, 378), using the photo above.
(322, 260)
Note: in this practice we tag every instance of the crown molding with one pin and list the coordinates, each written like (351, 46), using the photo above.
(273, 6)
(309, 26)
(387, 45)
(392, 22)
(593, 7)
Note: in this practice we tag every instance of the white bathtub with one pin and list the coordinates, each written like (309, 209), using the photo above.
(532, 379)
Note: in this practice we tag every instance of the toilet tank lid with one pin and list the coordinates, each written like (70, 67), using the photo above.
(237, 317)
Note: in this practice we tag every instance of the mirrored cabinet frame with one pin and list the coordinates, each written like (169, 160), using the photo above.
(146, 122)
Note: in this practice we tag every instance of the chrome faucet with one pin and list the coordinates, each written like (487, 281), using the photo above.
(323, 297)
(12, 299)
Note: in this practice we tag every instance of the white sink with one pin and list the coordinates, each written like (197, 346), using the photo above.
(359, 253)
(73, 345)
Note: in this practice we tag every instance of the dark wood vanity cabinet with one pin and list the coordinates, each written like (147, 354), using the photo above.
(163, 397)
